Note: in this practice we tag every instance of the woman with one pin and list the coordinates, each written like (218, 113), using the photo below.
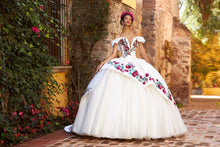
(127, 98)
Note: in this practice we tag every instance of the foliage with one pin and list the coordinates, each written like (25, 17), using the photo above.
(205, 60)
(88, 26)
(201, 17)
(25, 68)
(168, 51)
(69, 112)
(212, 79)
(25, 124)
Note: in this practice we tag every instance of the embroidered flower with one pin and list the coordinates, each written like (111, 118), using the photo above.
(128, 66)
(126, 50)
(135, 73)
(153, 80)
(130, 69)
(159, 86)
(135, 43)
(170, 97)
(120, 41)
(164, 91)
(118, 67)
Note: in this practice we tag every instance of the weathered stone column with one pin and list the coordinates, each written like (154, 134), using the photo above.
(157, 27)
(181, 69)
(149, 28)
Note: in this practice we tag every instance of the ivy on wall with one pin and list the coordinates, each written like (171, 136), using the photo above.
(88, 26)
(26, 81)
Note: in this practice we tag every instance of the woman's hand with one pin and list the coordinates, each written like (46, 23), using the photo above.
(99, 67)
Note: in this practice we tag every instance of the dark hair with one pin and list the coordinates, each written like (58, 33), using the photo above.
(122, 19)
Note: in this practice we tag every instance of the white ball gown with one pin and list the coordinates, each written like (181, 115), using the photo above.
(128, 99)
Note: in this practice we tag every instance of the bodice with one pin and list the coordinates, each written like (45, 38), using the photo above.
(126, 48)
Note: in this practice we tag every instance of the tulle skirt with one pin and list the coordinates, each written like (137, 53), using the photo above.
(115, 105)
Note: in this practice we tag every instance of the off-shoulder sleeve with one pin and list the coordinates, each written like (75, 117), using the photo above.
(140, 39)
(115, 41)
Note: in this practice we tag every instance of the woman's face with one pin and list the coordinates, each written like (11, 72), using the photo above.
(127, 20)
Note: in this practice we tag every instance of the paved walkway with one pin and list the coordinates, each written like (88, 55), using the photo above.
(202, 119)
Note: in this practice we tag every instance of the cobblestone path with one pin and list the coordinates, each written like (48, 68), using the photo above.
(203, 130)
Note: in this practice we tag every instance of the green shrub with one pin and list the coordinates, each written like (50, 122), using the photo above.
(26, 81)
(68, 113)
(25, 69)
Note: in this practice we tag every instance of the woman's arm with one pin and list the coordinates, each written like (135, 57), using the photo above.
(114, 54)
(143, 52)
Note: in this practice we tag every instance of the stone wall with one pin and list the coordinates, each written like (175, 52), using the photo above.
(180, 71)
(149, 28)
(160, 25)
(103, 48)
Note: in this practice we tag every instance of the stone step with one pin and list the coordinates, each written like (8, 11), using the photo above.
(205, 96)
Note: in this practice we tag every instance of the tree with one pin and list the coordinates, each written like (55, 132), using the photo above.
(205, 60)
(202, 17)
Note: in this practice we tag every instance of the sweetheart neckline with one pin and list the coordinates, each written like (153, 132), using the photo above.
(128, 40)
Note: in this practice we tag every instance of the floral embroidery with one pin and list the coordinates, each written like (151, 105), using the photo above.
(126, 50)
(130, 69)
